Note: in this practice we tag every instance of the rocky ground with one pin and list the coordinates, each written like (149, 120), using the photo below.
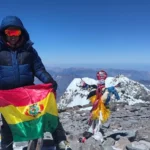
(127, 129)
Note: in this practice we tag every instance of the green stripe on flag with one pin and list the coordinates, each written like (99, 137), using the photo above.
(34, 129)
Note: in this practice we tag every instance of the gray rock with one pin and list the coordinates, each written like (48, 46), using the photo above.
(145, 143)
(107, 147)
(106, 125)
(126, 124)
(139, 145)
(128, 134)
(121, 143)
(109, 142)
(129, 147)
(143, 134)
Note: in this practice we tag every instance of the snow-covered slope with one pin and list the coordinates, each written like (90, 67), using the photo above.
(130, 91)
(75, 95)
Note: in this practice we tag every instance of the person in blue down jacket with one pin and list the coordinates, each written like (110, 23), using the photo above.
(19, 64)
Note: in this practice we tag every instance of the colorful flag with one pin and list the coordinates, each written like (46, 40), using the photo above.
(100, 112)
(92, 96)
(29, 111)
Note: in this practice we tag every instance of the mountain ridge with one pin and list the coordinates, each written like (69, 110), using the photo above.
(130, 91)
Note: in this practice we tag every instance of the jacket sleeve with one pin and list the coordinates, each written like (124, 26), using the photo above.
(39, 69)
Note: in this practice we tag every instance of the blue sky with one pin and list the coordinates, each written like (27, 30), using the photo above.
(75, 32)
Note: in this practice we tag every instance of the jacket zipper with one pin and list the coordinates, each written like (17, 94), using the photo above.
(15, 67)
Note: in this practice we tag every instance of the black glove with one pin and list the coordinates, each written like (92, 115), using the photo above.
(54, 83)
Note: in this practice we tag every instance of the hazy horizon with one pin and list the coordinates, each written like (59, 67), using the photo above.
(124, 66)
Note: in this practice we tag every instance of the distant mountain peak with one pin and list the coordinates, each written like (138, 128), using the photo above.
(130, 91)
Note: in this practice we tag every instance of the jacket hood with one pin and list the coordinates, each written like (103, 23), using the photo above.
(13, 21)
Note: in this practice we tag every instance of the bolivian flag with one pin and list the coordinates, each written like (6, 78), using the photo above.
(29, 111)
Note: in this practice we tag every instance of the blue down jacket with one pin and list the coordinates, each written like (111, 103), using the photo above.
(18, 68)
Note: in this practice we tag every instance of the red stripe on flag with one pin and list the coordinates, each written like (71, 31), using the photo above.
(25, 95)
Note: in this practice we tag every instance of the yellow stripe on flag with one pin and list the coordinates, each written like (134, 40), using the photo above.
(15, 115)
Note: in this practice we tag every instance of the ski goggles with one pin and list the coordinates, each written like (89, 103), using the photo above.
(13, 32)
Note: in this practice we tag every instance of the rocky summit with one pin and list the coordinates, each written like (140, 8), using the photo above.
(127, 129)
(128, 126)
